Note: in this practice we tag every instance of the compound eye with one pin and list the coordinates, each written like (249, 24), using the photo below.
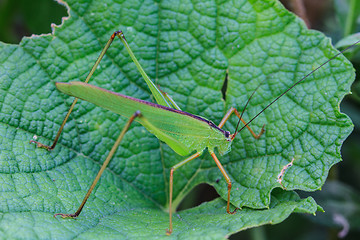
(227, 134)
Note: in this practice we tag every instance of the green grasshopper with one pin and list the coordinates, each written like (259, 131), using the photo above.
(183, 132)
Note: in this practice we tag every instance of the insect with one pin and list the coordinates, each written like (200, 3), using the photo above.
(165, 120)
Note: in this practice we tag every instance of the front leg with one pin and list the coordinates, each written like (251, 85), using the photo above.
(227, 116)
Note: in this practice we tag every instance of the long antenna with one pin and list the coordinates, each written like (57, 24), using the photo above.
(294, 86)
(247, 102)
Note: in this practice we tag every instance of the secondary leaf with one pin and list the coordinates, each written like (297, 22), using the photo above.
(342, 208)
(186, 48)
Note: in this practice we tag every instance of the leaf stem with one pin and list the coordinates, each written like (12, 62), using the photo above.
(354, 10)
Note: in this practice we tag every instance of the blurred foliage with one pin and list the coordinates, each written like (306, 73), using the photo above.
(340, 196)
(23, 17)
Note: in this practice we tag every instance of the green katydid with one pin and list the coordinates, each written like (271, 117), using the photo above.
(185, 133)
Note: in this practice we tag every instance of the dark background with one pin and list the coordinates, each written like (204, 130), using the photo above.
(340, 196)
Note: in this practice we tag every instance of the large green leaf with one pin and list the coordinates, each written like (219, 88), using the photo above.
(186, 48)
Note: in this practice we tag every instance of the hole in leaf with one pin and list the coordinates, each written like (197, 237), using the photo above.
(201, 193)
(225, 85)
